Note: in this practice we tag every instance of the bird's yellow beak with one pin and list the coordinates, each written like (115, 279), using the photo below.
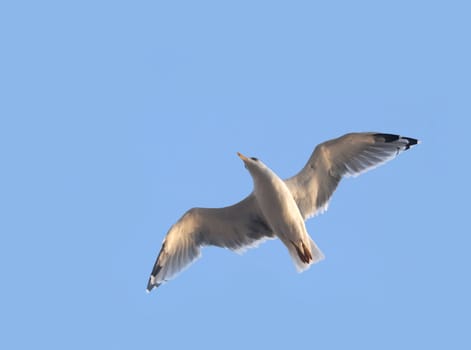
(241, 156)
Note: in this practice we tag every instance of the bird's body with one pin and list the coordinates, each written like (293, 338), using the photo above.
(276, 207)
(282, 215)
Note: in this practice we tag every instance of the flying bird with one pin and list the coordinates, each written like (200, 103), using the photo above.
(276, 208)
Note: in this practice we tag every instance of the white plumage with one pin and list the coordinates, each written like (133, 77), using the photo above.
(276, 208)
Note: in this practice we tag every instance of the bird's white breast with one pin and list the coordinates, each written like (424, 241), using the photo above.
(279, 207)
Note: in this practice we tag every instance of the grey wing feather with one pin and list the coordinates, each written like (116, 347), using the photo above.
(236, 227)
(348, 155)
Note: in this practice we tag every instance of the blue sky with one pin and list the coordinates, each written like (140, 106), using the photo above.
(116, 117)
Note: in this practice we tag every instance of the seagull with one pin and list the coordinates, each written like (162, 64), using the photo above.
(276, 208)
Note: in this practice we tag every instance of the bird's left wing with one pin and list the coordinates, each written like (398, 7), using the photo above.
(348, 155)
(236, 227)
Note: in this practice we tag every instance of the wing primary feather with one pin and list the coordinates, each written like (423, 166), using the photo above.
(388, 137)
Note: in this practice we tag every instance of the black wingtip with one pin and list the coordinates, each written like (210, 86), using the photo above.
(411, 142)
(392, 138)
(155, 271)
(151, 286)
(151, 283)
(388, 137)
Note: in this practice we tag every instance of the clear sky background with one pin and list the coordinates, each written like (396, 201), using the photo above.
(117, 117)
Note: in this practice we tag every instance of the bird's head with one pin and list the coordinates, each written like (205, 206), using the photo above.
(252, 164)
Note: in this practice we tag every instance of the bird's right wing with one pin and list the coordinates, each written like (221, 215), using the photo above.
(236, 227)
(348, 155)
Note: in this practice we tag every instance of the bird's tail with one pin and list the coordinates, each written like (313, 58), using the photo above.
(302, 256)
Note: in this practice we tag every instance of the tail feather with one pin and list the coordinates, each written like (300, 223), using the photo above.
(302, 257)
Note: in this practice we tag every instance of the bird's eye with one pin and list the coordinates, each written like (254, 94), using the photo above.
(253, 158)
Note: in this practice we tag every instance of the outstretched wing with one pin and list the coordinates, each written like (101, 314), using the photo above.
(237, 227)
(348, 155)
